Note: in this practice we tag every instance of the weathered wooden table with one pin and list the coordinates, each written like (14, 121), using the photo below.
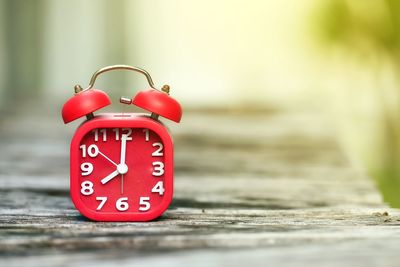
(262, 189)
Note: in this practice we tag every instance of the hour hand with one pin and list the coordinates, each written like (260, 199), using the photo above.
(109, 177)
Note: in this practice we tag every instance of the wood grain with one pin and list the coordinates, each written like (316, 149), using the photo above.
(258, 189)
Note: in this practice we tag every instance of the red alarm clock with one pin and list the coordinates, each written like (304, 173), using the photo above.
(121, 166)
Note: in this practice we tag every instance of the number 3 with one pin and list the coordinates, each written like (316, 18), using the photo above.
(158, 168)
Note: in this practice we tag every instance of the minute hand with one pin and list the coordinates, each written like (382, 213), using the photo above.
(123, 149)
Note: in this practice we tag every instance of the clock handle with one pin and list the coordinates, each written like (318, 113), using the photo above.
(158, 102)
(120, 67)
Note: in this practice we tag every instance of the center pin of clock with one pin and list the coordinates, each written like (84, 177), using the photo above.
(122, 168)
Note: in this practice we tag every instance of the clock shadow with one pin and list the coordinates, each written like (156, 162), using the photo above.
(82, 218)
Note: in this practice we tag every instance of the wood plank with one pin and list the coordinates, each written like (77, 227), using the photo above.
(249, 189)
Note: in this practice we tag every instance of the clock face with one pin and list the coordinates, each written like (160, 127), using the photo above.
(121, 173)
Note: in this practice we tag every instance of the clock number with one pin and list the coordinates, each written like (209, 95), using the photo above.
(144, 203)
(83, 147)
(147, 134)
(92, 151)
(124, 131)
(102, 200)
(122, 204)
(127, 132)
(159, 188)
(116, 130)
(96, 134)
(158, 152)
(87, 188)
(158, 168)
(86, 168)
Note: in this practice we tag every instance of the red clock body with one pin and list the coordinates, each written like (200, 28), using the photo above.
(121, 168)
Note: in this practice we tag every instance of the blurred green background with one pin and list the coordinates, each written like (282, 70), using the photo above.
(337, 57)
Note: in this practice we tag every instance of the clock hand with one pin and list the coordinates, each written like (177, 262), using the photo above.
(109, 177)
(107, 158)
(122, 184)
(121, 167)
(123, 149)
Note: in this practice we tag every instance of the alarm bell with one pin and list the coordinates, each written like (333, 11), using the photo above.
(83, 103)
(159, 103)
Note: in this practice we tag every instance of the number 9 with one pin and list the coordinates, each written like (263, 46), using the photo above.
(86, 168)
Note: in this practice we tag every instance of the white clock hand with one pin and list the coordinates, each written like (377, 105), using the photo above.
(123, 149)
(122, 166)
(107, 158)
(122, 184)
(109, 177)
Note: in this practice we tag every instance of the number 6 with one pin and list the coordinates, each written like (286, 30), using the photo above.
(122, 204)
